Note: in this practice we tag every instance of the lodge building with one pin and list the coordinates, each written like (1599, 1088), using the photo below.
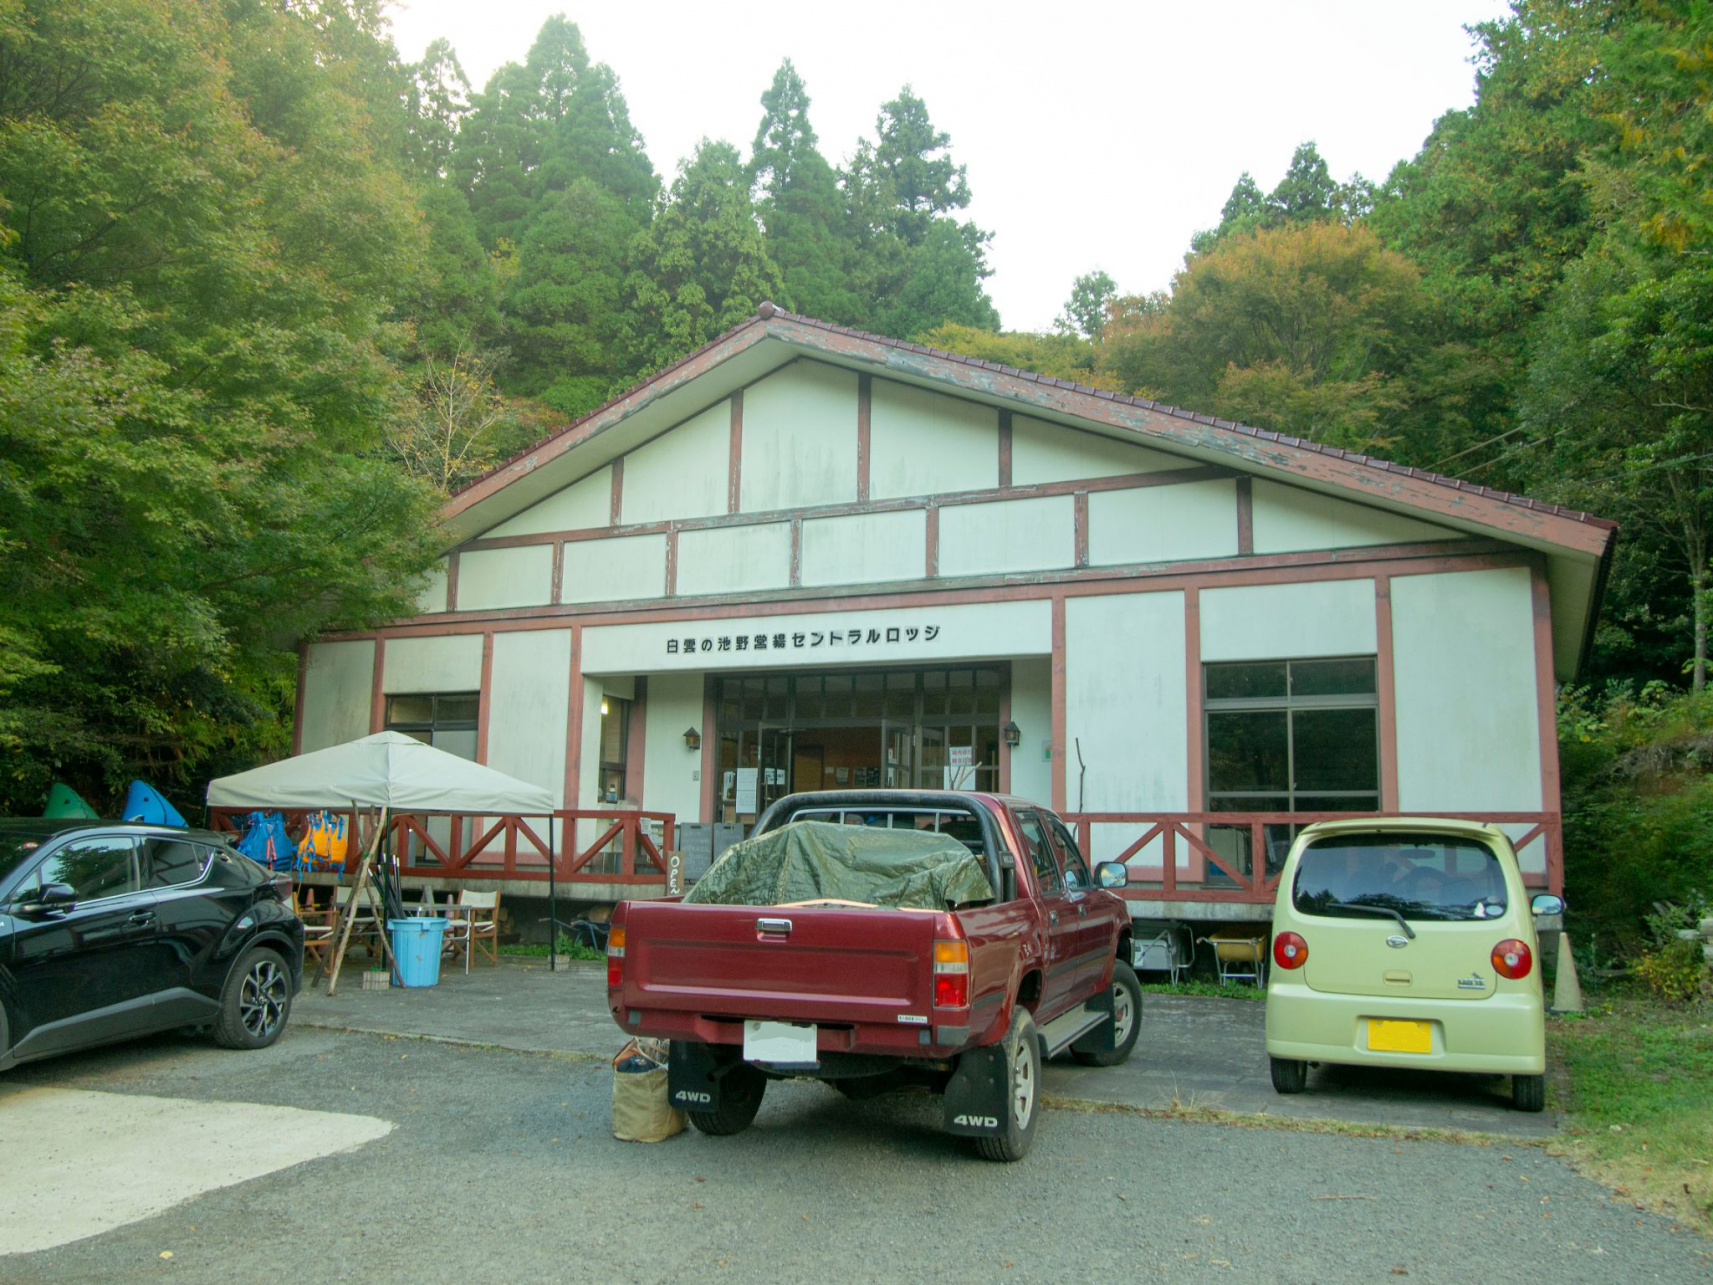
(805, 558)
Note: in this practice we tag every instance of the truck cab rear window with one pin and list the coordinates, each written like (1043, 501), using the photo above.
(958, 825)
(1419, 876)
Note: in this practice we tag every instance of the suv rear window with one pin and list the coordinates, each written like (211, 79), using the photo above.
(1419, 876)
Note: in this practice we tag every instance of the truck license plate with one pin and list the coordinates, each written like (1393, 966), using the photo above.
(781, 1043)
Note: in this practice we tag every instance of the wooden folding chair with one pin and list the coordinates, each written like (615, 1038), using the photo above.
(477, 920)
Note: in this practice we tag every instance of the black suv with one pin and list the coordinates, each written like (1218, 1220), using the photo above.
(110, 930)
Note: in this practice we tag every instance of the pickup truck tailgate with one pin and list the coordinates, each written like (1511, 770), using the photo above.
(824, 964)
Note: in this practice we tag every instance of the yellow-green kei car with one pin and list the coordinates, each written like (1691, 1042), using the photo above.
(1409, 943)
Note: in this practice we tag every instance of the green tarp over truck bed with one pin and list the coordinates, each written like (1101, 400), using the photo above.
(816, 860)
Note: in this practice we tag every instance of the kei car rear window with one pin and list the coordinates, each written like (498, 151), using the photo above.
(1418, 876)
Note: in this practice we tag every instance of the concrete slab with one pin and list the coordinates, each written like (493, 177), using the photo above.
(76, 1160)
(1194, 1051)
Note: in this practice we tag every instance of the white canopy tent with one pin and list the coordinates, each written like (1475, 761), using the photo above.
(394, 773)
(386, 770)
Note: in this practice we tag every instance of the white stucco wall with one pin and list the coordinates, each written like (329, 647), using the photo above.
(1163, 523)
(1125, 699)
(432, 596)
(415, 665)
(1464, 683)
(336, 686)
(527, 706)
(799, 438)
(1285, 519)
(670, 781)
(681, 474)
(1043, 452)
(1032, 711)
(585, 503)
(491, 578)
(921, 443)
(865, 548)
(630, 566)
(1288, 621)
(734, 559)
(1008, 535)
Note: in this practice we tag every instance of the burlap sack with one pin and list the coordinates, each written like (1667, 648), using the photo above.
(641, 1111)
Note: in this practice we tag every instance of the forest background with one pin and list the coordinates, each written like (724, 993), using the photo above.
(268, 292)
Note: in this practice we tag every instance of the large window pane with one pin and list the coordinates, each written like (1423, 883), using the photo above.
(410, 709)
(1248, 750)
(1336, 749)
(1246, 681)
(900, 696)
(1346, 676)
(94, 868)
(870, 695)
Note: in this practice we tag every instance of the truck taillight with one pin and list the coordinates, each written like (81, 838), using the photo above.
(951, 974)
(1513, 959)
(615, 957)
(1290, 951)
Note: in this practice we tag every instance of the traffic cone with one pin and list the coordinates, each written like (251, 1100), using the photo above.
(1567, 989)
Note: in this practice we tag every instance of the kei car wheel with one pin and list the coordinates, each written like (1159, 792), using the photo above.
(255, 1002)
(1126, 1018)
(1023, 1093)
(1289, 1075)
(1528, 1092)
(741, 1090)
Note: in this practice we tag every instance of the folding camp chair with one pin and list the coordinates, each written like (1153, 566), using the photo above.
(1238, 958)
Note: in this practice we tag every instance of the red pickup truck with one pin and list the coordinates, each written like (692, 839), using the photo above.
(969, 1001)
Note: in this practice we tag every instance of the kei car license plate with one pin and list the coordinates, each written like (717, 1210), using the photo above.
(781, 1043)
(1387, 1036)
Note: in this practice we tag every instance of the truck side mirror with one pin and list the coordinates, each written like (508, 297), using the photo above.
(1111, 874)
(1545, 903)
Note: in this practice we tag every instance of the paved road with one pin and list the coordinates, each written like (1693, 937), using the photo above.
(1193, 1052)
(501, 1167)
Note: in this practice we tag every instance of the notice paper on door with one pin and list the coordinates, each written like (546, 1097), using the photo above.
(746, 788)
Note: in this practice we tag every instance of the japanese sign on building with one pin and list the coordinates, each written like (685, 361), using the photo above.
(830, 637)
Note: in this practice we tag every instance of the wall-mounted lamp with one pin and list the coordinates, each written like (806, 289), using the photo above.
(692, 738)
(1012, 733)
(603, 707)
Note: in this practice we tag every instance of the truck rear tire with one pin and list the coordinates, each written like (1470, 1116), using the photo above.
(1023, 1097)
(741, 1090)
(1126, 1018)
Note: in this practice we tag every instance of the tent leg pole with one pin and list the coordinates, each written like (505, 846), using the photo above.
(552, 902)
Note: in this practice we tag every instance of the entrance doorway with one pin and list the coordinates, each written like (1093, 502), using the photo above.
(781, 733)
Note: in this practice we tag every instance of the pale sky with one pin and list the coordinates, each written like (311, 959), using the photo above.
(1095, 134)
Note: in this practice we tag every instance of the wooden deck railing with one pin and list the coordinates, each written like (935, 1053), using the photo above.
(1221, 849)
(589, 845)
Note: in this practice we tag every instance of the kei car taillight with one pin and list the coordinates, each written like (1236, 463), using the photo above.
(1513, 959)
(616, 957)
(1290, 951)
(951, 974)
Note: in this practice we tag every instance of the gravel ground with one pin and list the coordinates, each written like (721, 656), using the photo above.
(503, 1168)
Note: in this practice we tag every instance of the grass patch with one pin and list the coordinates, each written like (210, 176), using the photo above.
(1635, 1081)
(1216, 990)
(568, 949)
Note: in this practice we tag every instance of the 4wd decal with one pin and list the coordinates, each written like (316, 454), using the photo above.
(976, 1121)
(687, 1095)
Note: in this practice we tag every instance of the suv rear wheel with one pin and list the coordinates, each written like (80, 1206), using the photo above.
(255, 1001)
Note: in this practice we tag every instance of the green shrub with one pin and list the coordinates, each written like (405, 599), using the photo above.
(1638, 808)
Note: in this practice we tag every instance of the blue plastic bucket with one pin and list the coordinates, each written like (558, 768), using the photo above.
(416, 946)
